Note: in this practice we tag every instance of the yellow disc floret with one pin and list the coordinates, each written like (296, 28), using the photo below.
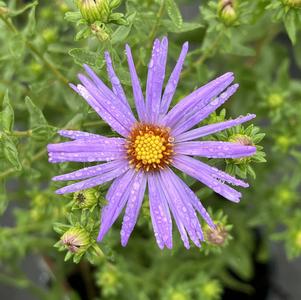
(149, 147)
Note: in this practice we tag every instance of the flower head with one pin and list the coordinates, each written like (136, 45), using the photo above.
(150, 147)
(75, 239)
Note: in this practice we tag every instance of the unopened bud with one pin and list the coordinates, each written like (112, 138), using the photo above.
(227, 11)
(177, 295)
(216, 236)
(244, 140)
(275, 100)
(75, 239)
(241, 139)
(298, 239)
(94, 10)
(292, 3)
(86, 198)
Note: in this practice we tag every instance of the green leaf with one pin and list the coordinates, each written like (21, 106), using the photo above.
(31, 23)
(83, 56)
(7, 115)
(10, 152)
(37, 118)
(290, 26)
(122, 32)
(14, 13)
(174, 13)
(83, 34)
(41, 131)
(17, 45)
(3, 198)
(72, 16)
(186, 27)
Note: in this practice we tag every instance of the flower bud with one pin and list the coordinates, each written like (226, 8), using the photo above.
(275, 100)
(243, 140)
(298, 239)
(177, 295)
(211, 290)
(227, 12)
(292, 3)
(284, 142)
(216, 236)
(94, 10)
(86, 198)
(75, 239)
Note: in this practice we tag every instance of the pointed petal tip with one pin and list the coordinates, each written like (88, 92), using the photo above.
(164, 40)
(186, 245)
(59, 191)
(100, 236)
(124, 243)
(186, 45)
(127, 48)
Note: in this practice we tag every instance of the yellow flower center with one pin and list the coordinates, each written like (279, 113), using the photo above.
(149, 147)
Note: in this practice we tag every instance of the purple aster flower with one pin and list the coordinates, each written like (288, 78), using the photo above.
(150, 147)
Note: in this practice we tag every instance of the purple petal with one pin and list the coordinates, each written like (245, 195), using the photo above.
(193, 168)
(212, 128)
(92, 171)
(137, 91)
(213, 149)
(155, 79)
(199, 114)
(172, 83)
(116, 108)
(159, 211)
(117, 87)
(196, 203)
(181, 208)
(101, 111)
(133, 207)
(197, 99)
(89, 183)
(117, 197)
(109, 95)
(82, 145)
(76, 134)
(57, 157)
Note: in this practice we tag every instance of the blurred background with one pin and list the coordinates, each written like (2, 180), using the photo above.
(254, 254)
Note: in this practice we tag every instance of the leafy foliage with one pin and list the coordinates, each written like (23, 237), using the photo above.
(44, 44)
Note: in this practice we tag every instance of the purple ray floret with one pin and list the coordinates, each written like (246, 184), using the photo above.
(171, 132)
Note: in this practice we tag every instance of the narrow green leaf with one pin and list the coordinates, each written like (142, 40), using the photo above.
(10, 152)
(83, 56)
(14, 13)
(174, 13)
(72, 16)
(7, 115)
(3, 198)
(41, 130)
(31, 23)
(290, 26)
(16, 45)
(186, 27)
(123, 31)
(37, 118)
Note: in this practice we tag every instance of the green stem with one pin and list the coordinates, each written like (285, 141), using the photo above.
(26, 133)
(154, 28)
(33, 49)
